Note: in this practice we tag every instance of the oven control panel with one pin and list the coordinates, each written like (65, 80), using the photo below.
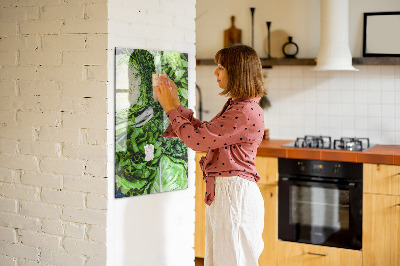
(330, 169)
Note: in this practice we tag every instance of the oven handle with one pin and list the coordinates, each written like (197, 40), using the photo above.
(297, 181)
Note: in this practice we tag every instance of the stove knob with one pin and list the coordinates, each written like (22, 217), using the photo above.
(301, 166)
(336, 169)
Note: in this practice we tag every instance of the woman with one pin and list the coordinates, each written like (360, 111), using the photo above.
(235, 207)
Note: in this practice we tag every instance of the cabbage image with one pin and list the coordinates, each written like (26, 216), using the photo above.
(170, 175)
(145, 162)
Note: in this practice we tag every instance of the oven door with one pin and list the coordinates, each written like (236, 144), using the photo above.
(320, 212)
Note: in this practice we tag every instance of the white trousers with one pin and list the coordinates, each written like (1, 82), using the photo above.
(234, 223)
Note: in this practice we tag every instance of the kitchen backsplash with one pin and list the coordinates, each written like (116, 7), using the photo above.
(337, 104)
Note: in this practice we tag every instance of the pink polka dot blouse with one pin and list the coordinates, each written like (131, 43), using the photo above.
(231, 139)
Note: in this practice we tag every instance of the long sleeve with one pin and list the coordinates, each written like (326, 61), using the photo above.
(231, 139)
(225, 130)
(186, 113)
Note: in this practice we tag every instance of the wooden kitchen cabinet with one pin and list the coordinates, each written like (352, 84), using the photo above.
(381, 215)
(267, 168)
(200, 207)
(381, 230)
(381, 179)
(298, 254)
(270, 233)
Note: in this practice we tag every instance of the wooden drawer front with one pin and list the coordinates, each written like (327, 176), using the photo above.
(267, 168)
(294, 254)
(381, 179)
(381, 230)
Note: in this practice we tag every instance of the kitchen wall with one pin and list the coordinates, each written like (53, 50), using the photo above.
(156, 229)
(297, 18)
(53, 106)
(339, 104)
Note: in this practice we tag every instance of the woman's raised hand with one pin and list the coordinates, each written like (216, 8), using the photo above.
(164, 93)
(174, 90)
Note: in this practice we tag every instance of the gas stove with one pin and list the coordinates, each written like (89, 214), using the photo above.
(325, 142)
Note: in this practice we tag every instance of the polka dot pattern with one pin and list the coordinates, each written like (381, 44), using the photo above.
(231, 138)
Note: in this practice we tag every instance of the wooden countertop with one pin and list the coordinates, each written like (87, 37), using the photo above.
(379, 154)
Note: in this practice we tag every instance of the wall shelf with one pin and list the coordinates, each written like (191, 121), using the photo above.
(312, 61)
(376, 61)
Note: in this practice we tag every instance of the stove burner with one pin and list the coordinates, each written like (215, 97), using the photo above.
(324, 142)
(351, 144)
(308, 141)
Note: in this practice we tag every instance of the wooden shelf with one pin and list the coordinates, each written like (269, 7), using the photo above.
(288, 62)
(268, 62)
(376, 61)
(312, 61)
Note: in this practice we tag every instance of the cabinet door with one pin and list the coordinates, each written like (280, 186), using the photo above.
(200, 207)
(381, 179)
(270, 233)
(381, 230)
(267, 168)
(297, 254)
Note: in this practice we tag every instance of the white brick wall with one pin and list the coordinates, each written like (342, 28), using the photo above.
(53, 227)
(61, 258)
(75, 230)
(53, 106)
(8, 234)
(54, 78)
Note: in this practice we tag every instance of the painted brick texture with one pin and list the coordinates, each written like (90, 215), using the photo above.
(53, 111)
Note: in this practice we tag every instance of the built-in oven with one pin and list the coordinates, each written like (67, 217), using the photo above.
(320, 202)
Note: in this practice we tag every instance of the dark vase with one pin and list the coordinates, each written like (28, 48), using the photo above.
(290, 49)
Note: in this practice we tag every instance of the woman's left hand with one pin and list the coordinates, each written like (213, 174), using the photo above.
(174, 90)
(164, 96)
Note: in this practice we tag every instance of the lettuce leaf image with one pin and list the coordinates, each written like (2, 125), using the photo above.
(170, 175)
(125, 186)
(145, 162)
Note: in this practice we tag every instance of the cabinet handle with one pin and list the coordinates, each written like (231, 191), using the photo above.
(398, 204)
(318, 254)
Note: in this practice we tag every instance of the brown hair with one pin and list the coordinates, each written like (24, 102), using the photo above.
(245, 78)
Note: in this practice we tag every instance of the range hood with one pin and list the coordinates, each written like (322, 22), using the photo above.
(334, 51)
